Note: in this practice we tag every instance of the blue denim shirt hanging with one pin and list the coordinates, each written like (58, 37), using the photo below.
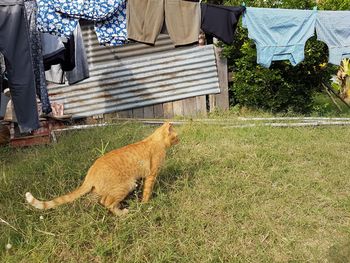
(279, 34)
(333, 28)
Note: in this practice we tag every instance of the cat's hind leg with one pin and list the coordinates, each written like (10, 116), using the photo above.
(112, 203)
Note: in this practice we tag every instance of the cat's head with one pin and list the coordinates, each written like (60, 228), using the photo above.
(169, 134)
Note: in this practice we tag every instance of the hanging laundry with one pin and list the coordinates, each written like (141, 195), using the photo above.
(2, 73)
(220, 21)
(145, 20)
(279, 34)
(57, 50)
(55, 74)
(333, 28)
(36, 50)
(112, 31)
(15, 46)
(94, 10)
(81, 69)
(109, 18)
(52, 22)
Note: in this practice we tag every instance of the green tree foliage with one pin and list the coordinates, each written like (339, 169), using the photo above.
(282, 87)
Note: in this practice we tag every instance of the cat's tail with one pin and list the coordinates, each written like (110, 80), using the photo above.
(70, 197)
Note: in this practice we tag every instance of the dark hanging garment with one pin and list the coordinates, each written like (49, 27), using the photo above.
(81, 70)
(37, 56)
(59, 72)
(15, 46)
(53, 50)
(69, 55)
(220, 21)
(2, 72)
(56, 51)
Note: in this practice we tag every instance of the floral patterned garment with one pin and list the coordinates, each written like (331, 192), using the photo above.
(112, 31)
(94, 10)
(50, 21)
(60, 17)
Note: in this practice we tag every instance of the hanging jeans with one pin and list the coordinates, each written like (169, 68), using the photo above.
(15, 46)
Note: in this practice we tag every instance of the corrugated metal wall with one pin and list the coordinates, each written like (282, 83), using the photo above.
(137, 75)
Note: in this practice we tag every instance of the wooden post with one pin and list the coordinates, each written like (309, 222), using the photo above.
(158, 111)
(138, 113)
(178, 108)
(168, 110)
(190, 107)
(124, 114)
(220, 101)
(201, 106)
(148, 112)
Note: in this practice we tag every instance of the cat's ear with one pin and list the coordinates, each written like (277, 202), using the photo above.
(166, 124)
(170, 128)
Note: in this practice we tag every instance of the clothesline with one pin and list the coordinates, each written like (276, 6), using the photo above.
(275, 40)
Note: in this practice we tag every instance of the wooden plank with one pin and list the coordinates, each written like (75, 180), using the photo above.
(178, 107)
(202, 106)
(148, 112)
(110, 116)
(158, 111)
(137, 113)
(30, 141)
(220, 101)
(124, 114)
(190, 107)
(168, 110)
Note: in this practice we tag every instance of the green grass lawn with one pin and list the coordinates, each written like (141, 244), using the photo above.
(256, 194)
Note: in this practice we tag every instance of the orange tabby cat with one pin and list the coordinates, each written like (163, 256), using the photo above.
(114, 175)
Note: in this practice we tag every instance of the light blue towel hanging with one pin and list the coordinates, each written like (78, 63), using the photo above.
(333, 28)
(279, 34)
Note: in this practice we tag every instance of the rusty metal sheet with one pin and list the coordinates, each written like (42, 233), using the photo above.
(132, 81)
